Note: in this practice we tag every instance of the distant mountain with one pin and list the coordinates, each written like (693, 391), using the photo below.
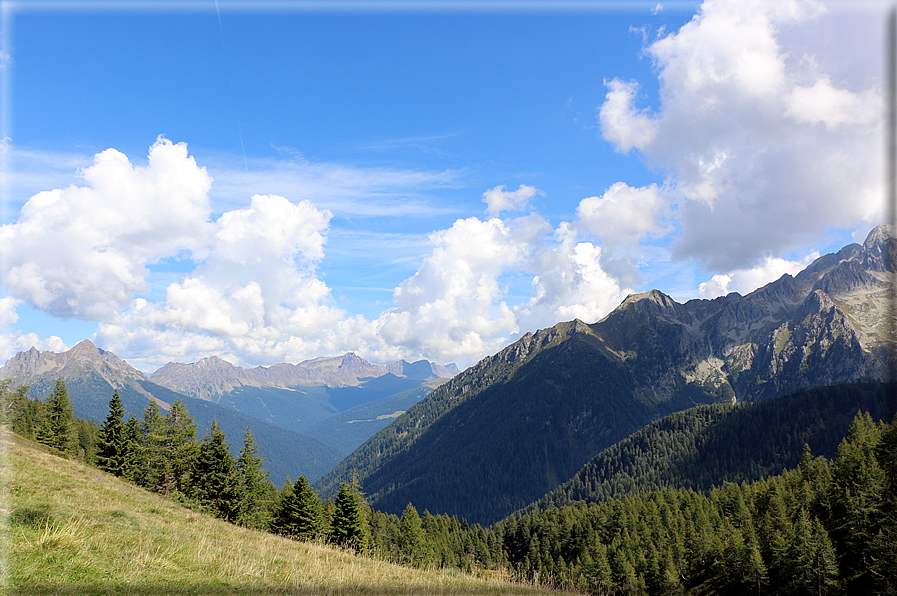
(211, 378)
(508, 430)
(93, 375)
(312, 397)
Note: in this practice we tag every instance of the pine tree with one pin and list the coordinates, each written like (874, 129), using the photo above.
(253, 479)
(217, 484)
(825, 562)
(111, 451)
(883, 551)
(860, 485)
(58, 430)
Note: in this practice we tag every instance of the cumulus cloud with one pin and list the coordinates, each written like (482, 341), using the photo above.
(498, 199)
(621, 123)
(452, 304)
(454, 307)
(570, 284)
(81, 251)
(254, 294)
(762, 148)
(623, 215)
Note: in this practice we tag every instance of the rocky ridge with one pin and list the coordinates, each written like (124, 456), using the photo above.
(210, 378)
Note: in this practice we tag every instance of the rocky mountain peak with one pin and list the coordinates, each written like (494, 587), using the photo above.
(84, 348)
(879, 250)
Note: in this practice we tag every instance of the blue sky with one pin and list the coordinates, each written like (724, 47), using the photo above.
(416, 180)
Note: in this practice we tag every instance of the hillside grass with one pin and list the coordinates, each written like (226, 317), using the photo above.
(73, 529)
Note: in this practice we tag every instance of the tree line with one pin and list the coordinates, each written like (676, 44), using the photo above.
(826, 526)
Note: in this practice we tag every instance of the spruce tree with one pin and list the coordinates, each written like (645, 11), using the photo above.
(111, 448)
(58, 429)
(253, 479)
(153, 461)
(180, 448)
(411, 536)
(349, 521)
(217, 481)
(300, 512)
(133, 453)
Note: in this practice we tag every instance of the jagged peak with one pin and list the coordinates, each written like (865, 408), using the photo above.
(653, 300)
(215, 362)
(879, 250)
(877, 237)
(85, 346)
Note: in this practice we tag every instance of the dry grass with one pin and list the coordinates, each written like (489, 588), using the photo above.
(71, 529)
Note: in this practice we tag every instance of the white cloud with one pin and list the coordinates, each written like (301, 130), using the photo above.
(623, 215)
(452, 306)
(498, 199)
(81, 251)
(256, 291)
(764, 150)
(824, 103)
(621, 123)
(745, 281)
(570, 283)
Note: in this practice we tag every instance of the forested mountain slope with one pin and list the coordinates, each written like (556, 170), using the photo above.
(706, 446)
(522, 421)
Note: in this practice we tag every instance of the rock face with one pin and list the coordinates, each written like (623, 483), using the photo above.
(832, 323)
(210, 378)
(491, 435)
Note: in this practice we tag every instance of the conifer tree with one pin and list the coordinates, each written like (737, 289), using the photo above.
(300, 512)
(87, 433)
(253, 480)
(58, 429)
(180, 448)
(860, 485)
(349, 520)
(411, 536)
(883, 550)
(154, 462)
(133, 454)
(217, 483)
(111, 441)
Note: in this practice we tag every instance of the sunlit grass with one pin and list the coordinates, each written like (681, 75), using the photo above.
(71, 529)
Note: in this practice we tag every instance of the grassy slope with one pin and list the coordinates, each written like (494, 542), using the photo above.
(72, 529)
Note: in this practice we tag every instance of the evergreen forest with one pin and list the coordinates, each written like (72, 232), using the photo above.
(796, 495)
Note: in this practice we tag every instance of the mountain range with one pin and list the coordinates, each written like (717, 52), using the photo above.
(344, 400)
(503, 433)
(513, 427)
